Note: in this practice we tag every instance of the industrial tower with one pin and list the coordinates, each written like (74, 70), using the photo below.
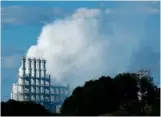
(142, 73)
(34, 84)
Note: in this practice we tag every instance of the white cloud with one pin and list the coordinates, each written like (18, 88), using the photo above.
(85, 12)
(79, 49)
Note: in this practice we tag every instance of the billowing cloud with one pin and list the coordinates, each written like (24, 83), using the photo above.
(83, 46)
(85, 12)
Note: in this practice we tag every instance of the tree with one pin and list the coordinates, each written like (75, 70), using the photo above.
(116, 96)
(127, 85)
(155, 111)
(147, 89)
(93, 98)
(16, 108)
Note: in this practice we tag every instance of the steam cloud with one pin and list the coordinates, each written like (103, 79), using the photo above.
(88, 44)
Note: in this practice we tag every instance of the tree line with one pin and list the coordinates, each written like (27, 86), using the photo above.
(124, 95)
(23, 108)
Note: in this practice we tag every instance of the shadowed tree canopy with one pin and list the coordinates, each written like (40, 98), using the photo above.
(116, 96)
(15, 108)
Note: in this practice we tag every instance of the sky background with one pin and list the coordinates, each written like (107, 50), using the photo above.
(22, 23)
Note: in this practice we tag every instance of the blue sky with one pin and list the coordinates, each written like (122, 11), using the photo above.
(22, 23)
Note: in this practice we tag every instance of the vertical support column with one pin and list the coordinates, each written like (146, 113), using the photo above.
(39, 69)
(24, 66)
(44, 67)
(44, 87)
(49, 95)
(30, 94)
(23, 76)
(24, 88)
(44, 75)
(30, 69)
(30, 75)
(36, 79)
(34, 63)
(50, 90)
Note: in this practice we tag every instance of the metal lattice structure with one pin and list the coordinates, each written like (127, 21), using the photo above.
(34, 84)
(141, 73)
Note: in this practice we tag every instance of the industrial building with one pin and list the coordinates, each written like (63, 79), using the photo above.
(34, 84)
(142, 73)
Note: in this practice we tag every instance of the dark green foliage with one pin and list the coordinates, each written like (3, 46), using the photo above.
(15, 108)
(156, 104)
(147, 86)
(114, 96)
(92, 99)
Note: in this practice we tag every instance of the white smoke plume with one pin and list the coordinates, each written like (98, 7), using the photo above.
(87, 45)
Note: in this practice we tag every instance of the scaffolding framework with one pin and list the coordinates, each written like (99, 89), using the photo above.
(142, 73)
(35, 85)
